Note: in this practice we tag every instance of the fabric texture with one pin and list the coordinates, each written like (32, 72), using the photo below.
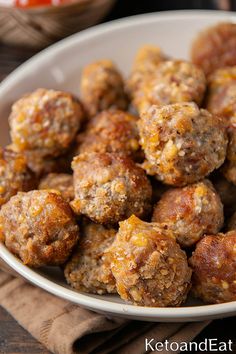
(65, 328)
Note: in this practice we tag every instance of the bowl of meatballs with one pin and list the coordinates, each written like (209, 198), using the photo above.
(118, 167)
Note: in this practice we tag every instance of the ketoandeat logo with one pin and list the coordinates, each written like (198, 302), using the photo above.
(208, 345)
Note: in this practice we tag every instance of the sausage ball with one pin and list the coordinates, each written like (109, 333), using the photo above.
(229, 167)
(182, 143)
(174, 81)
(14, 175)
(109, 187)
(215, 47)
(112, 131)
(102, 87)
(221, 99)
(214, 268)
(38, 227)
(149, 267)
(190, 212)
(86, 270)
(227, 193)
(62, 182)
(45, 122)
(145, 65)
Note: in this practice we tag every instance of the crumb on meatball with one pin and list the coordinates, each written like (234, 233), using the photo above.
(111, 131)
(190, 212)
(109, 187)
(148, 265)
(182, 143)
(102, 87)
(38, 227)
(215, 47)
(62, 182)
(14, 175)
(85, 270)
(214, 268)
(45, 122)
(174, 81)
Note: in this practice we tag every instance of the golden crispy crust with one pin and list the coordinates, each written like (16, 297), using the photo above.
(86, 271)
(149, 267)
(215, 47)
(109, 187)
(174, 81)
(62, 182)
(190, 212)
(111, 131)
(14, 175)
(38, 227)
(45, 121)
(182, 143)
(102, 87)
(214, 268)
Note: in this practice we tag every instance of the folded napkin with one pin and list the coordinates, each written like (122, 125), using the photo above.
(65, 328)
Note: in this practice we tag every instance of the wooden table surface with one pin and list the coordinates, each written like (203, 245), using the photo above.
(13, 338)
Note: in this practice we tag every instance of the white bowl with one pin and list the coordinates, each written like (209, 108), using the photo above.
(59, 67)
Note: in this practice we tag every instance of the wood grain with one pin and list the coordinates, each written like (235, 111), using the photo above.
(14, 339)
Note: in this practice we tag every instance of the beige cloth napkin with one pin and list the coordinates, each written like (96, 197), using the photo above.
(65, 328)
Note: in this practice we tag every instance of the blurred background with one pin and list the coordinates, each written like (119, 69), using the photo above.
(27, 26)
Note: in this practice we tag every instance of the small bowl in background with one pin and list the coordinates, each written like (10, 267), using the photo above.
(37, 27)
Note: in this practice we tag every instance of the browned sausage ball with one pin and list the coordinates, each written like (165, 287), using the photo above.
(145, 65)
(190, 212)
(102, 87)
(221, 98)
(149, 267)
(45, 121)
(174, 81)
(214, 268)
(227, 193)
(14, 175)
(182, 143)
(86, 271)
(109, 187)
(38, 227)
(62, 182)
(229, 167)
(112, 131)
(215, 47)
